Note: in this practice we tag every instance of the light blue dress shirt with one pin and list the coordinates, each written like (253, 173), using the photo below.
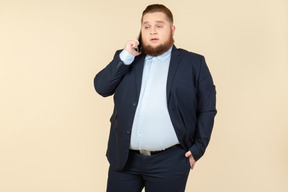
(152, 128)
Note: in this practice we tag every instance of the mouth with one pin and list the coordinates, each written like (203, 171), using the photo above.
(154, 39)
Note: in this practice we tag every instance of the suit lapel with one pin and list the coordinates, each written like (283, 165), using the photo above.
(174, 63)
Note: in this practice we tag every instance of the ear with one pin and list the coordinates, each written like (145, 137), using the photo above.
(173, 30)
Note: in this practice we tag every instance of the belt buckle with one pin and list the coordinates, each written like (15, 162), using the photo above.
(145, 152)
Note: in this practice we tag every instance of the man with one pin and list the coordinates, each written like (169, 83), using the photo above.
(164, 109)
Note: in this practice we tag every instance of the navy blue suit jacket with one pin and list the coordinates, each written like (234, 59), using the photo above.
(191, 100)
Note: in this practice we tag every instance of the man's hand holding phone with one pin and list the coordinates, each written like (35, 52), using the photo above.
(131, 47)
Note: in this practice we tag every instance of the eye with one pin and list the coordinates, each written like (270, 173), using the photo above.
(146, 27)
(159, 26)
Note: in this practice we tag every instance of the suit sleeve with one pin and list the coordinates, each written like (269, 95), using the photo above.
(107, 80)
(206, 111)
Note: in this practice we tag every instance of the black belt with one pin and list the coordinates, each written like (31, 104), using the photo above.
(149, 153)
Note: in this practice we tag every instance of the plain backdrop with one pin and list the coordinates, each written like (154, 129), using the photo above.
(54, 127)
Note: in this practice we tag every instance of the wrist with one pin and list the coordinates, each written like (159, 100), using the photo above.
(126, 57)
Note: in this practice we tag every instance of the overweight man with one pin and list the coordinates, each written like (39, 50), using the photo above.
(164, 109)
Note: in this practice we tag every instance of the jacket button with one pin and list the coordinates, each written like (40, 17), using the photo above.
(119, 64)
(128, 131)
(134, 104)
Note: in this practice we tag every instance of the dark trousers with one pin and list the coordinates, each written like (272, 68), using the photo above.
(165, 171)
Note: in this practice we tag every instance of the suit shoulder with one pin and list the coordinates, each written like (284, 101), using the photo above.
(191, 58)
(190, 54)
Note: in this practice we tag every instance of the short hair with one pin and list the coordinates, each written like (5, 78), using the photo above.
(158, 8)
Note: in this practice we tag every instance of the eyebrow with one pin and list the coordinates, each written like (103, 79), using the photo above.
(146, 22)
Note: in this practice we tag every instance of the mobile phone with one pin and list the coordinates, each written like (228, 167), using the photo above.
(139, 48)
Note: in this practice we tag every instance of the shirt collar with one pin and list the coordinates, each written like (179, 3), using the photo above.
(162, 57)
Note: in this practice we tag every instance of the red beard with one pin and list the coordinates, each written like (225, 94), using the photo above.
(160, 49)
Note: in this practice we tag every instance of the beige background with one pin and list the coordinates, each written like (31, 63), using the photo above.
(54, 127)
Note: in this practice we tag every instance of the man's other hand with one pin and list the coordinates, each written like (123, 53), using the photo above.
(191, 159)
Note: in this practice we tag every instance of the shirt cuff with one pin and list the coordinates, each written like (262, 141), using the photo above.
(126, 57)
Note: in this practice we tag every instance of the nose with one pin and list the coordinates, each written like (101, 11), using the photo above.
(153, 31)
